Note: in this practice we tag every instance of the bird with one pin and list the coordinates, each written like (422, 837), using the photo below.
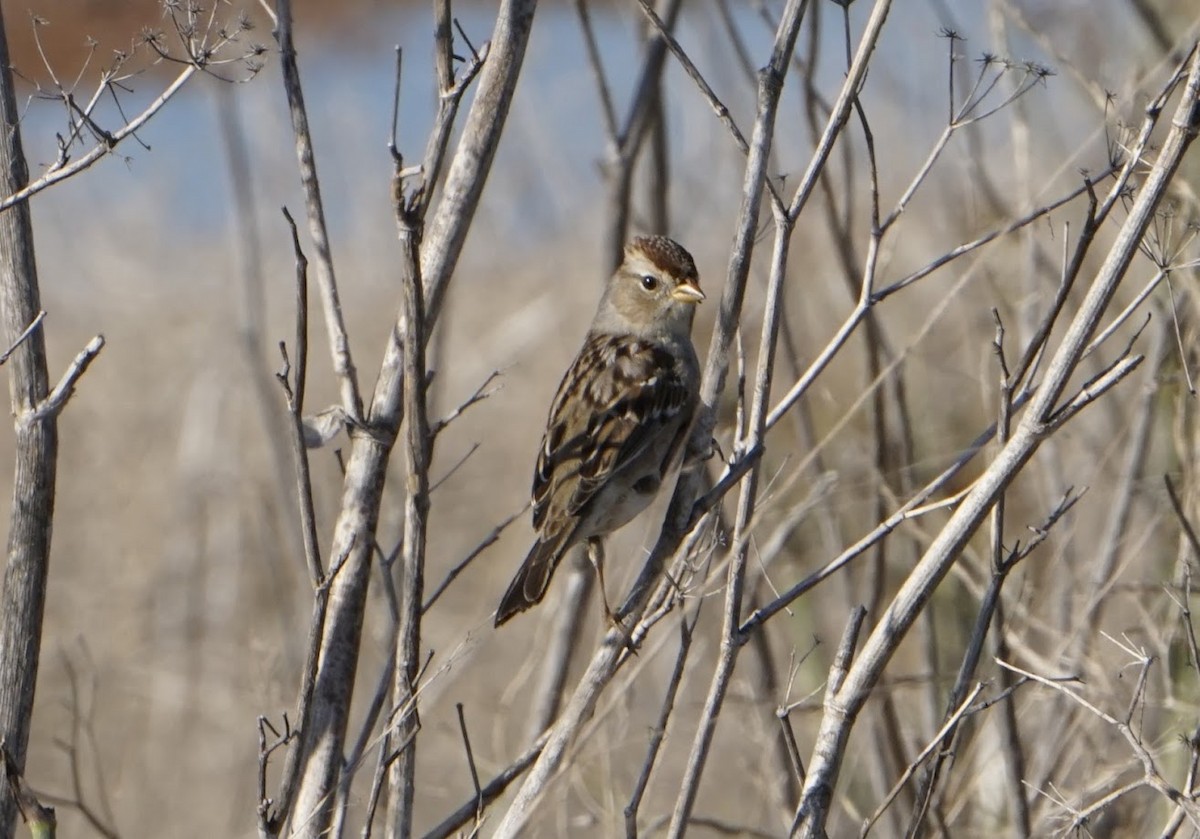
(620, 418)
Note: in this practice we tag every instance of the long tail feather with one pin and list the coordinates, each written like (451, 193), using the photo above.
(533, 579)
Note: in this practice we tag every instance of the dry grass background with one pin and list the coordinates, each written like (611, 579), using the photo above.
(178, 597)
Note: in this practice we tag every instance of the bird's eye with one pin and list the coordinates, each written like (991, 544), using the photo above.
(649, 282)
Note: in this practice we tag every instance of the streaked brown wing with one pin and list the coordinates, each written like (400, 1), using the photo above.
(631, 390)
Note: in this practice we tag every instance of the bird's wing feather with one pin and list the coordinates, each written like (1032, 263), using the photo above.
(632, 391)
(529, 586)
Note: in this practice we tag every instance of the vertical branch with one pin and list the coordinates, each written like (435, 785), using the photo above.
(991, 602)
(450, 93)
(564, 635)
(339, 342)
(1012, 747)
(402, 773)
(445, 235)
(645, 111)
(767, 687)
(440, 246)
(308, 515)
(1013, 756)
(1034, 265)
(840, 111)
(734, 592)
(23, 598)
(891, 480)
(273, 815)
(1105, 565)
(658, 178)
(243, 225)
(770, 86)
(686, 626)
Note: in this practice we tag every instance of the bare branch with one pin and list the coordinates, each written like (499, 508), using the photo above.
(1033, 428)
(938, 742)
(56, 400)
(402, 775)
(1152, 776)
(339, 342)
(294, 389)
(490, 792)
(481, 393)
(40, 818)
(103, 148)
(34, 324)
(439, 250)
(487, 542)
(686, 626)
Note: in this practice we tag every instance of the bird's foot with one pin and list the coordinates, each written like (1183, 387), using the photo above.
(626, 635)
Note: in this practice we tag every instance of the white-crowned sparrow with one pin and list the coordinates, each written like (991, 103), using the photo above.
(620, 416)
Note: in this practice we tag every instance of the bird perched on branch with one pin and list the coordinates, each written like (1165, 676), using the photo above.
(620, 417)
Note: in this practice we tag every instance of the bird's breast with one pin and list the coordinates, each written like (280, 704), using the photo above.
(617, 504)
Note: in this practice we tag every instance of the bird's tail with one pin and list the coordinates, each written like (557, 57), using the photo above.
(529, 586)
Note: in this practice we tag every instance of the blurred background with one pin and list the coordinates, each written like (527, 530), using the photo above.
(178, 600)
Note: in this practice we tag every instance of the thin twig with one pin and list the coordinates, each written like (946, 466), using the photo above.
(490, 792)
(736, 579)
(658, 733)
(339, 342)
(56, 400)
(104, 147)
(938, 742)
(402, 775)
(294, 389)
(462, 726)
(1152, 776)
(34, 324)
(487, 542)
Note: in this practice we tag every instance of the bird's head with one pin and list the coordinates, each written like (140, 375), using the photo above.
(655, 290)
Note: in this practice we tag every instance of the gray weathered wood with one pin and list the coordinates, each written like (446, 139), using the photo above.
(23, 596)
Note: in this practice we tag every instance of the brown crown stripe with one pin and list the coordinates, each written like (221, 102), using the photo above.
(668, 255)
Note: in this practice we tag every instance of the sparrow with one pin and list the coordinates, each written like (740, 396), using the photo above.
(620, 418)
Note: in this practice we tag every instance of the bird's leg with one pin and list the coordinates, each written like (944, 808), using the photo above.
(675, 584)
(714, 445)
(595, 552)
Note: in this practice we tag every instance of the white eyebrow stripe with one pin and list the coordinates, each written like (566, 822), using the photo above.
(639, 264)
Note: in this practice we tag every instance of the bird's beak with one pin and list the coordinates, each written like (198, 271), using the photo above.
(688, 292)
